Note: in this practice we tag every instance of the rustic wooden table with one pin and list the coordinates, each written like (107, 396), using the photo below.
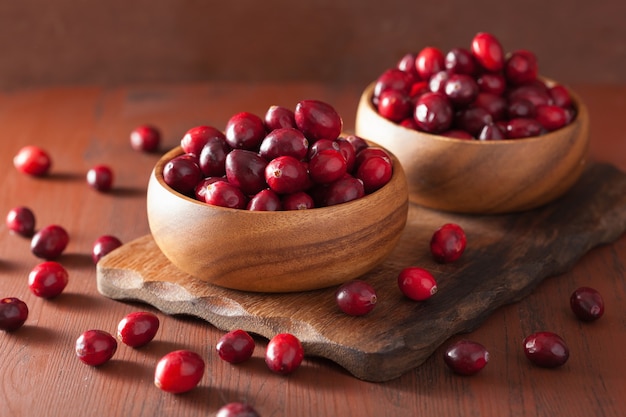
(83, 126)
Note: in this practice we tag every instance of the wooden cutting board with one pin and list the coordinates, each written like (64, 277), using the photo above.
(506, 257)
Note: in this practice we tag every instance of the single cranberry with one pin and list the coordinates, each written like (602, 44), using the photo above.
(472, 120)
(356, 297)
(546, 349)
(429, 61)
(297, 201)
(286, 175)
(418, 88)
(466, 357)
(495, 105)
(587, 304)
(100, 178)
(182, 174)
(246, 170)
(284, 141)
(522, 128)
(407, 64)
(327, 166)
(521, 67)
(225, 194)
(357, 142)
(448, 243)
(520, 107)
(437, 83)
(49, 242)
(345, 189)
(264, 200)
(13, 313)
(145, 138)
(394, 105)
(200, 190)
(369, 152)
(245, 131)
(321, 145)
(533, 92)
(235, 346)
(457, 134)
(488, 51)
(278, 117)
(48, 279)
(284, 353)
(560, 96)
(393, 79)
(318, 120)
(460, 61)
(179, 371)
(375, 172)
(237, 409)
(433, 113)
(197, 137)
(212, 157)
(95, 347)
(32, 160)
(21, 220)
(461, 89)
(138, 328)
(417, 283)
(346, 149)
(103, 246)
(491, 82)
(491, 131)
(551, 117)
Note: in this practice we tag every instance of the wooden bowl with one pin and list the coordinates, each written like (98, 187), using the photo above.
(484, 177)
(284, 251)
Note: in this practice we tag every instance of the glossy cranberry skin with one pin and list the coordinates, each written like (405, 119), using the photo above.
(21, 220)
(237, 409)
(392, 79)
(356, 297)
(145, 138)
(246, 170)
(225, 194)
(284, 353)
(495, 105)
(286, 175)
(327, 166)
(48, 279)
(375, 172)
(297, 201)
(461, 89)
(245, 131)
(429, 61)
(457, 134)
(264, 200)
(103, 246)
(436, 83)
(520, 107)
(433, 113)
(521, 67)
(472, 120)
(587, 304)
(200, 190)
(138, 328)
(536, 93)
(179, 371)
(49, 242)
(347, 150)
(284, 141)
(493, 83)
(100, 178)
(197, 137)
(522, 128)
(236, 346)
(394, 105)
(546, 349)
(551, 117)
(357, 142)
(447, 243)
(212, 157)
(417, 283)
(491, 131)
(345, 189)
(318, 120)
(488, 51)
(370, 152)
(278, 117)
(560, 96)
(407, 64)
(466, 357)
(95, 347)
(460, 61)
(13, 313)
(182, 174)
(419, 88)
(32, 160)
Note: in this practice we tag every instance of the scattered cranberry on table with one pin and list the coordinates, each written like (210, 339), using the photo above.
(466, 357)
(356, 297)
(100, 178)
(179, 371)
(587, 304)
(235, 346)
(237, 409)
(145, 138)
(417, 283)
(546, 349)
(13, 313)
(104, 245)
(284, 353)
(21, 220)
(448, 243)
(138, 328)
(33, 160)
(95, 347)
(49, 242)
(48, 279)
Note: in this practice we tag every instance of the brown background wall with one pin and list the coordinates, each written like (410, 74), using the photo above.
(115, 41)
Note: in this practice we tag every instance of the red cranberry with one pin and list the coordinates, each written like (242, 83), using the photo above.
(197, 137)
(358, 143)
(284, 141)
(488, 51)
(417, 283)
(100, 178)
(522, 128)
(491, 82)
(375, 172)
(407, 64)
(179, 371)
(318, 120)
(145, 138)
(245, 131)
(420, 87)
(103, 246)
(448, 243)
(200, 190)
(236, 409)
(347, 151)
(370, 152)
(429, 61)
(393, 79)
(560, 96)
(246, 170)
(521, 67)
(495, 105)
(546, 349)
(264, 200)
(535, 93)
(458, 134)
(343, 190)
(461, 89)
(356, 297)
(327, 166)
(32, 160)
(212, 157)
(278, 117)
(235, 346)
(284, 353)
(182, 174)
(297, 201)
(286, 175)
(95, 347)
(13, 313)
(49, 242)
(472, 120)
(225, 194)
(436, 83)
(433, 113)
(321, 145)
(394, 105)
(587, 304)
(551, 117)
(138, 328)
(21, 220)
(520, 107)
(491, 131)
(466, 357)
(48, 279)
(460, 61)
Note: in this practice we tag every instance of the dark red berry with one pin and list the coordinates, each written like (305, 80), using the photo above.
(488, 51)
(297, 201)
(587, 304)
(318, 120)
(429, 61)
(182, 174)
(95, 347)
(447, 243)
(347, 188)
(394, 105)
(138, 328)
(235, 346)
(21, 220)
(246, 171)
(327, 166)
(179, 371)
(224, 194)
(264, 200)
(13, 313)
(356, 297)
(284, 353)
(32, 160)
(466, 357)
(49, 242)
(278, 117)
(286, 175)
(48, 279)
(392, 79)
(212, 157)
(461, 89)
(546, 349)
(103, 246)
(551, 117)
(197, 137)
(522, 128)
(100, 178)
(145, 138)
(375, 172)
(244, 131)
(417, 283)
(521, 67)
(433, 112)
(284, 141)
(460, 61)
(237, 409)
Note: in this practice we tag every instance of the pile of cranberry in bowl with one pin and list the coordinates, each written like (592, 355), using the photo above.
(477, 129)
(280, 203)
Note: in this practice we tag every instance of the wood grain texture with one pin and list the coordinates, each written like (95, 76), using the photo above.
(507, 257)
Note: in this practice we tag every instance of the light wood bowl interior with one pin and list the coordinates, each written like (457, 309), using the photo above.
(283, 251)
(483, 177)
